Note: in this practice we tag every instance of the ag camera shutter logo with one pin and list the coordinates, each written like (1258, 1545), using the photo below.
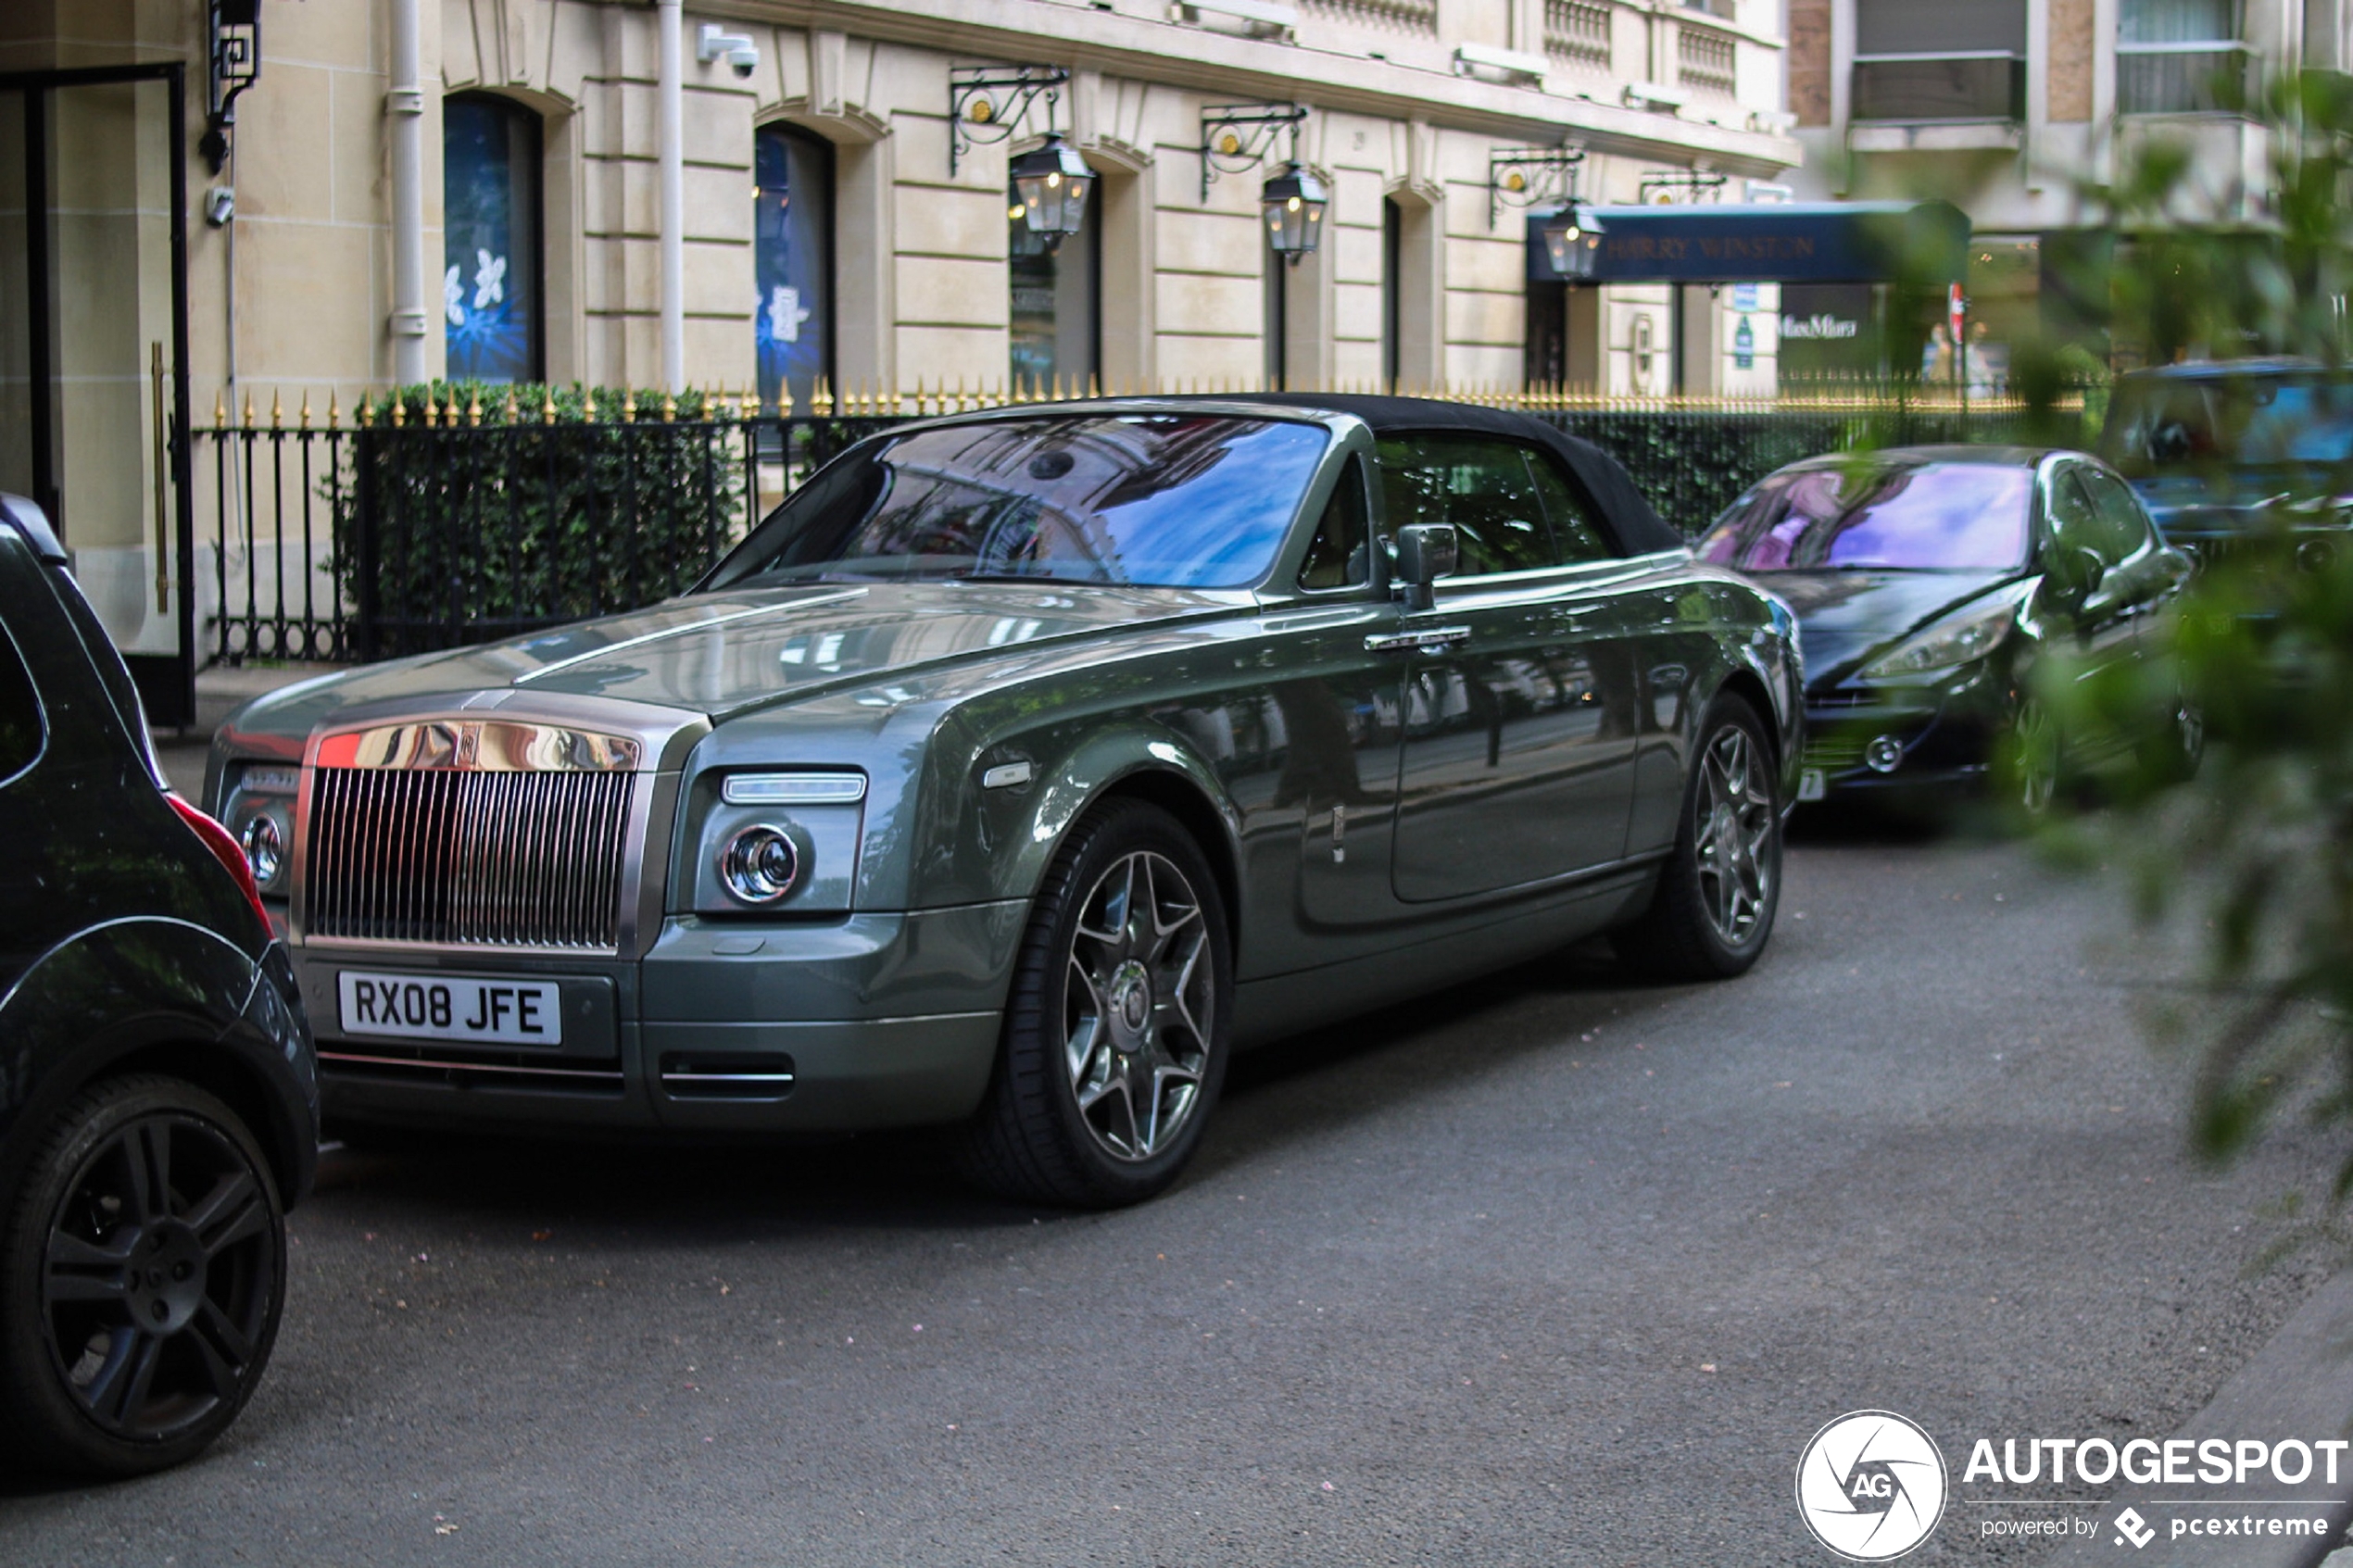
(1871, 1486)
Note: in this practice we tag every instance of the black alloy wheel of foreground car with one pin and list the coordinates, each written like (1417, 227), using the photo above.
(148, 1263)
(1717, 896)
(1116, 1032)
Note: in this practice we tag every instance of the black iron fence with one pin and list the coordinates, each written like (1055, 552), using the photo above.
(421, 524)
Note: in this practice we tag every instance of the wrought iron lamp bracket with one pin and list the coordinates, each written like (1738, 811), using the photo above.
(1235, 137)
(1694, 184)
(232, 63)
(1524, 176)
(986, 102)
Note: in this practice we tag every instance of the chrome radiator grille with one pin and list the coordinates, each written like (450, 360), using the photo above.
(454, 856)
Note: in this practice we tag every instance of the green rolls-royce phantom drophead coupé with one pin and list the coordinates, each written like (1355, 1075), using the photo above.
(1020, 767)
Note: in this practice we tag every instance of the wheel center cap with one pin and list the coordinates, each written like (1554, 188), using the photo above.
(1131, 1004)
(166, 1278)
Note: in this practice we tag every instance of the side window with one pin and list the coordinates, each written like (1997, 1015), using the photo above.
(1338, 554)
(1480, 486)
(2073, 523)
(2124, 530)
(21, 725)
(1576, 538)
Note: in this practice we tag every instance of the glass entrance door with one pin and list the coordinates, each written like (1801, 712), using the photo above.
(92, 329)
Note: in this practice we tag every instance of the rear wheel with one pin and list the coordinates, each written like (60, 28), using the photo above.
(141, 1275)
(1722, 882)
(1116, 1033)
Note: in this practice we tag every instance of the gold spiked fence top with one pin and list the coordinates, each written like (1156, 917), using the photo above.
(451, 406)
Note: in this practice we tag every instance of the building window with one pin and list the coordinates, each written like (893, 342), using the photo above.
(1057, 332)
(1940, 59)
(792, 263)
(490, 283)
(2178, 56)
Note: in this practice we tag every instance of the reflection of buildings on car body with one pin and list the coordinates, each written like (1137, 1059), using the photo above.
(822, 231)
(2002, 107)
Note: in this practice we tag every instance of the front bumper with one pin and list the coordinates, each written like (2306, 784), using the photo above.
(1945, 736)
(866, 1022)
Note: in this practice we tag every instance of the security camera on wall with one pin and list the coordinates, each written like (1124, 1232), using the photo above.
(740, 52)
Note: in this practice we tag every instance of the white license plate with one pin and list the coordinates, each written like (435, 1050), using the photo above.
(419, 1006)
(1810, 784)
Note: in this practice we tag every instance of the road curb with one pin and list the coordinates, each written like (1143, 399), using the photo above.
(2299, 1385)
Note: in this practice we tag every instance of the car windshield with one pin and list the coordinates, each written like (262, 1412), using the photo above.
(2170, 424)
(1931, 516)
(1177, 500)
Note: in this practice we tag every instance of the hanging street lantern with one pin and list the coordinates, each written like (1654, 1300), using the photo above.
(1293, 202)
(1050, 184)
(1572, 237)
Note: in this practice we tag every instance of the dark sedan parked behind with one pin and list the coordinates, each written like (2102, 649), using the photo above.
(1927, 582)
(158, 1104)
(1020, 766)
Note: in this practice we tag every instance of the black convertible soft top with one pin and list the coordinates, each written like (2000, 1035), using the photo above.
(1627, 514)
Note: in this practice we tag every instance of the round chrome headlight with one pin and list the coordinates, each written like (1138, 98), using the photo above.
(265, 848)
(759, 865)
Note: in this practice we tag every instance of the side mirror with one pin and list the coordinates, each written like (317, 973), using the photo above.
(2071, 575)
(1426, 552)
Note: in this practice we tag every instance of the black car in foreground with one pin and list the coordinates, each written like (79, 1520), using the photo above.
(158, 1100)
(1927, 581)
(2227, 450)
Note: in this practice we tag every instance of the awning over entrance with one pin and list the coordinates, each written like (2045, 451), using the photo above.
(1764, 243)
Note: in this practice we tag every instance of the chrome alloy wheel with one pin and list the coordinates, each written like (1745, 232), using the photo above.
(1137, 1007)
(1732, 832)
(160, 1267)
(2035, 740)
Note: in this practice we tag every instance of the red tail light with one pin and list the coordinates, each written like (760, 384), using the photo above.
(224, 849)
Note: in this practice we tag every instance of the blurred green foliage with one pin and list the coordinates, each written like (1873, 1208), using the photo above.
(2255, 853)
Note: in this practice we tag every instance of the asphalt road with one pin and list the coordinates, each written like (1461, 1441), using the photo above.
(1546, 1270)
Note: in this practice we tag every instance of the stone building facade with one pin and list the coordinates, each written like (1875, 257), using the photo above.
(2010, 108)
(541, 242)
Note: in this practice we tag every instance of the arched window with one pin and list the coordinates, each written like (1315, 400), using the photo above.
(1057, 331)
(793, 263)
(490, 281)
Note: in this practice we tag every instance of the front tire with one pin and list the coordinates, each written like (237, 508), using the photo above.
(1114, 1041)
(1723, 882)
(142, 1277)
(2037, 760)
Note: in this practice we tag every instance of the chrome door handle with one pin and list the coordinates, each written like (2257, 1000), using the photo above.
(1434, 639)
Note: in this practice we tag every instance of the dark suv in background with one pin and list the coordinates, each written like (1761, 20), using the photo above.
(158, 1100)
(2230, 448)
